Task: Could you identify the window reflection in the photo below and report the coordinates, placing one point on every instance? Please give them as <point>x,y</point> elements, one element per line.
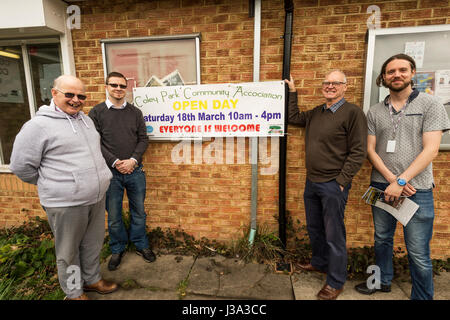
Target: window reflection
<point>45,66</point>
<point>45,63</point>
<point>14,109</point>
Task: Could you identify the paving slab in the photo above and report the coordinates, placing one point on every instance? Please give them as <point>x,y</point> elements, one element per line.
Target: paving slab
<point>350,293</point>
<point>306,285</point>
<point>198,297</point>
<point>204,278</point>
<point>165,273</point>
<point>135,294</point>
<point>235,279</point>
<point>441,286</point>
<point>220,278</point>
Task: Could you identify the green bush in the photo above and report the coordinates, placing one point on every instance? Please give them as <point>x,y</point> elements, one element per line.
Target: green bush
<point>27,262</point>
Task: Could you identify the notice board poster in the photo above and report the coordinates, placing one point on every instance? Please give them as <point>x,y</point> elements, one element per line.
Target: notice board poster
<point>253,109</point>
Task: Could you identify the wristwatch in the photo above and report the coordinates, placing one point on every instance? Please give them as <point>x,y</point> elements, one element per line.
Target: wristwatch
<point>401,182</point>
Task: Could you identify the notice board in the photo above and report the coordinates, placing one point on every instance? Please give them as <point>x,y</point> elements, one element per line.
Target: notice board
<point>430,48</point>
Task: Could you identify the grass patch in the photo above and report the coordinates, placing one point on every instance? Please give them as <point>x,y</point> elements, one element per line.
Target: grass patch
<point>27,263</point>
<point>266,246</point>
<point>182,286</point>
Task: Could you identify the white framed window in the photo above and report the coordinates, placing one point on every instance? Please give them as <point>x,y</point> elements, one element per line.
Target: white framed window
<point>27,70</point>
<point>35,48</point>
<point>154,61</point>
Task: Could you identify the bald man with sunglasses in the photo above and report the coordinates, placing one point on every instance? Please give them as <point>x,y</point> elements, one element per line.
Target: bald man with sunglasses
<point>59,151</point>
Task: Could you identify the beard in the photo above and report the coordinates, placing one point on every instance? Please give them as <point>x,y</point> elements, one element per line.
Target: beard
<point>400,88</point>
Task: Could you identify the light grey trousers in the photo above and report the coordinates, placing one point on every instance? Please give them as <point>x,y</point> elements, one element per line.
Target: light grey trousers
<point>79,233</point>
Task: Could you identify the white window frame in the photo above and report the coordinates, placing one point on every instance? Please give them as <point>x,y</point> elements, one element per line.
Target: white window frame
<point>196,36</point>
<point>67,61</point>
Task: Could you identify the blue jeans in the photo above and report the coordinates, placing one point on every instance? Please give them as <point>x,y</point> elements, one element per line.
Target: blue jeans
<point>417,233</point>
<point>135,185</point>
<point>324,207</point>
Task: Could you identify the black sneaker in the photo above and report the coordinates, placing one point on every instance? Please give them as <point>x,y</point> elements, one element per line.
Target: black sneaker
<point>115,260</point>
<point>362,288</point>
<point>147,254</point>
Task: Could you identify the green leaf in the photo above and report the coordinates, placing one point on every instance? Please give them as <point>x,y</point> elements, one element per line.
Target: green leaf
<point>29,272</point>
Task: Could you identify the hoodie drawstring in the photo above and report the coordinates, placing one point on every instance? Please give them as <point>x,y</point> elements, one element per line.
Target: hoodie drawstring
<point>82,118</point>
<point>73,128</point>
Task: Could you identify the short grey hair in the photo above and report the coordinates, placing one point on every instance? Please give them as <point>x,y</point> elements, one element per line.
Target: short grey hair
<point>337,70</point>
<point>57,83</point>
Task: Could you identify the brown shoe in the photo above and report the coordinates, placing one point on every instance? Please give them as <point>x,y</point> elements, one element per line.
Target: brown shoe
<point>329,293</point>
<point>102,287</point>
<point>82,297</point>
<point>308,267</point>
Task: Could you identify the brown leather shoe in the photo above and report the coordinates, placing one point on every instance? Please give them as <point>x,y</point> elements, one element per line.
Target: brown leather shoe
<point>82,297</point>
<point>308,267</point>
<point>102,287</point>
<point>329,293</point>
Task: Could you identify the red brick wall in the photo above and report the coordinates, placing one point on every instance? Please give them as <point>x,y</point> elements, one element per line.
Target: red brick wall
<point>329,36</point>
<point>214,200</point>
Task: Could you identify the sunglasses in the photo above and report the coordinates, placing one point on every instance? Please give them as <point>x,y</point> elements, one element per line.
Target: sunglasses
<point>333,83</point>
<point>70,95</point>
<point>115,85</point>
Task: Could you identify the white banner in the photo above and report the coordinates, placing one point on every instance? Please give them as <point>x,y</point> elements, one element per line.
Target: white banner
<point>254,109</point>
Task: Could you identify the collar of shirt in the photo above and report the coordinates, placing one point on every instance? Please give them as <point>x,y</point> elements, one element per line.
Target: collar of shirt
<point>334,107</point>
<point>110,105</point>
<point>73,116</point>
<point>411,97</point>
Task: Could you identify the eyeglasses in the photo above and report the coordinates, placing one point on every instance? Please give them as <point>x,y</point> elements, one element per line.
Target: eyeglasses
<point>70,95</point>
<point>333,83</point>
<point>115,85</point>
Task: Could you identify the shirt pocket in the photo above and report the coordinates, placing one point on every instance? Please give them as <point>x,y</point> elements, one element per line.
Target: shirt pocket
<point>413,121</point>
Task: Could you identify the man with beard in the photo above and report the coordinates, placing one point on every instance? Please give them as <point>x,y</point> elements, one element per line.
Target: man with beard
<point>124,141</point>
<point>335,147</point>
<point>405,131</point>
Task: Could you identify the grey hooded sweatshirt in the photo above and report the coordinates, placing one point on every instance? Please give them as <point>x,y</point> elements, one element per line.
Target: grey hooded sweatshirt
<point>62,155</point>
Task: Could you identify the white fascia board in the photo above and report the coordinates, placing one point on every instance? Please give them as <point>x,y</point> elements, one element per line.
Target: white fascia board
<point>32,16</point>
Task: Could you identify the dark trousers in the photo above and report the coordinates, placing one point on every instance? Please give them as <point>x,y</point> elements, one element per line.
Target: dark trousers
<point>325,206</point>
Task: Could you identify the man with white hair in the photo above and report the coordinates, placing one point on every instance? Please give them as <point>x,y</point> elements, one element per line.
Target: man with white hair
<point>335,146</point>
<point>59,151</point>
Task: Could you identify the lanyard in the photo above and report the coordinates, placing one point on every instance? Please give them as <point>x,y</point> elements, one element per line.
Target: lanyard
<point>395,124</point>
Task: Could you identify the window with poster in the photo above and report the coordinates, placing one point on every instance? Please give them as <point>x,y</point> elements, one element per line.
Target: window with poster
<point>27,71</point>
<point>154,61</point>
<point>430,48</point>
